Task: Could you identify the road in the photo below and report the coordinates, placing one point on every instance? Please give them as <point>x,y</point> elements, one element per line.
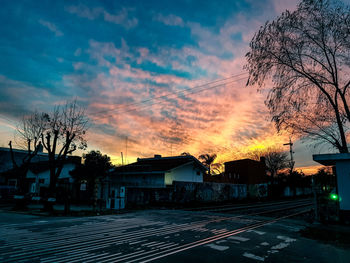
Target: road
<point>248,235</point>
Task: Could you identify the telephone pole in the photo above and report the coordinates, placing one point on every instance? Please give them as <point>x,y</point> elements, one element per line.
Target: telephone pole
<point>291,154</point>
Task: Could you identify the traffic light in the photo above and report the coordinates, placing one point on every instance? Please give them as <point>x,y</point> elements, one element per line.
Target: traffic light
<point>334,197</point>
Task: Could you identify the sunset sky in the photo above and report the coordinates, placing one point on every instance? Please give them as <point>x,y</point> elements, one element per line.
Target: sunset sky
<point>155,77</point>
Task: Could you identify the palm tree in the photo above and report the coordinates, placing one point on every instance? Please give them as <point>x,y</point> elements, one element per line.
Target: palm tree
<point>207,160</point>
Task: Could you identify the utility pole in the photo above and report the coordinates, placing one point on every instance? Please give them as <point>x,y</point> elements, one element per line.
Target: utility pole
<point>291,154</point>
<point>122,158</point>
<point>291,164</point>
<point>126,149</point>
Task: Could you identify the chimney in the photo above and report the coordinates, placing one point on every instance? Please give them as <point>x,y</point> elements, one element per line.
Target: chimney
<point>157,156</point>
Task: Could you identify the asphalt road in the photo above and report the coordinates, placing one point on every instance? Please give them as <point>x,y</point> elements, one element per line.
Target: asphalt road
<point>161,236</point>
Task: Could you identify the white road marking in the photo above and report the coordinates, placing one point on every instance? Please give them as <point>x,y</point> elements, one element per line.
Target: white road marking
<point>96,240</point>
<point>217,247</point>
<point>252,256</point>
<point>280,246</point>
<point>286,239</point>
<point>238,238</point>
<point>257,232</point>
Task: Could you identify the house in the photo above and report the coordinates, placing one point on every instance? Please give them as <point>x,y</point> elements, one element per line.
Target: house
<point>244,171</point>
<point>38,175</point>
<point>159,172</point>
<point>149,179</point>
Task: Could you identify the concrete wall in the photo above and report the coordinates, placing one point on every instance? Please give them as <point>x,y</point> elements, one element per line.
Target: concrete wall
<point>208,192</point>
<point>185,173</point>
<point>184,192</point>
<point>299,191</point>
<point>146,196</point>
<point>257,190</point>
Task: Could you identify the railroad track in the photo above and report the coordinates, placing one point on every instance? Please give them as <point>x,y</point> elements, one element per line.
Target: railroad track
<point>126,240</point>
<point>240,207</point>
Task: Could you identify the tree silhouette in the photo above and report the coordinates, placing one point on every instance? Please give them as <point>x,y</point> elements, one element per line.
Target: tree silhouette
<point>95,167</point>
<point>61,132</point>
<point>305,54</point>
<point>275,159</point>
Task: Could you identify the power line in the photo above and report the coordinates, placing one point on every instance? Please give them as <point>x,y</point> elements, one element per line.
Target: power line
<point>166,95</point>
<point>189,91</point>
<point>183,92</point>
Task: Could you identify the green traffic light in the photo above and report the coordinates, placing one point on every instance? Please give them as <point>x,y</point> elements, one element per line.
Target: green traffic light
<point>334,196</point>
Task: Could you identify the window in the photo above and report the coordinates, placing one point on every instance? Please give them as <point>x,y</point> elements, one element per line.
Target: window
<point>198,173</point>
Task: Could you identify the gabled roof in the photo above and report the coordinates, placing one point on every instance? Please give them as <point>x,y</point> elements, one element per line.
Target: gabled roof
<point>159,164</point>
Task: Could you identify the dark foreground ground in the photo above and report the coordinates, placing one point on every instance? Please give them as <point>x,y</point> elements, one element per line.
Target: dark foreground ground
<point>166,236</point>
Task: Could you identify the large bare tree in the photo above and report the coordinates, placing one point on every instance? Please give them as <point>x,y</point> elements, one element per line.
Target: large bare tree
<point>64,133</point>
<point>305,54</point>
<point>28,133</point>
<point>60,132</point>
<point>275,159</point>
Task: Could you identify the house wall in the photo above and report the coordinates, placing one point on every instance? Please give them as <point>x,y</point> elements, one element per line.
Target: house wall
<point>244,172</point>
<point>185,173</point>
<point>142,180</point>
<point>46,175</point>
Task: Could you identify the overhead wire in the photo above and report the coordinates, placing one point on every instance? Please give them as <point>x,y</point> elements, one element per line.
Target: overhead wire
<point>155,100</point>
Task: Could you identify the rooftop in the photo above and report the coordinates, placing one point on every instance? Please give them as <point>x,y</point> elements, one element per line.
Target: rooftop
<point>159,164</point>
<point>331,158</point>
